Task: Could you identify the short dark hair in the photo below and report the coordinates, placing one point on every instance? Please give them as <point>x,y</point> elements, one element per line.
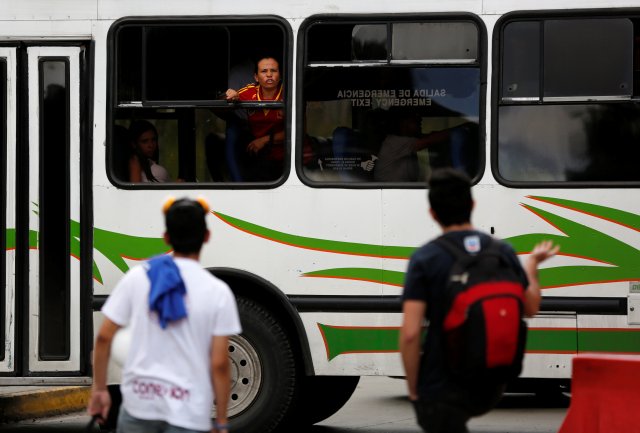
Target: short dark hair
<point>450,196</point>
<point>186,225</point>
<point>262,57</point>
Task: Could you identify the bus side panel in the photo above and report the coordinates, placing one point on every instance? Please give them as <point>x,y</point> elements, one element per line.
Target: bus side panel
<point>607,334</point>
<point>551,345</point>
<point>590,226</point>
<point>358,344</point>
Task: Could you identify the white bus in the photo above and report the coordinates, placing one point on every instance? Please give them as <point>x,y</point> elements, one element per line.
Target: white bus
<point>536,100</point>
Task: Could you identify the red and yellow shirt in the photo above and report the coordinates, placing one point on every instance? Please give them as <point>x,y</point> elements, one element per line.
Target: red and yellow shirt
<point>262,121</point>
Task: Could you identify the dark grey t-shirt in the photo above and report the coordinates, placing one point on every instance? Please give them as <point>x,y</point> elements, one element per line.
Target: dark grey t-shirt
<point>426,280</point>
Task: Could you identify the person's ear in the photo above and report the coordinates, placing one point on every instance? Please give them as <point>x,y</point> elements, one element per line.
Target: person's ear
<point>166,237</point>
<point>433,215</point>
<point>207,235</point>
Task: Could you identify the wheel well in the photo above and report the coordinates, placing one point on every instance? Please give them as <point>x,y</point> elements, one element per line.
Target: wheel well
<point>259,290</point>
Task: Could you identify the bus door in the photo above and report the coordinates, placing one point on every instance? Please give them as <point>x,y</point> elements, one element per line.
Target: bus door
<point>41,217</point>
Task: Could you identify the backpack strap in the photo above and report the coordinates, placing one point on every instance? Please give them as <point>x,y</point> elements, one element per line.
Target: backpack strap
<point>452,248</point>
<point>459,253</point>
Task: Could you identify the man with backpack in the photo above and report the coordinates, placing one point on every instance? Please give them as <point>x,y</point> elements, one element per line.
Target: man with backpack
<point>473,292</point>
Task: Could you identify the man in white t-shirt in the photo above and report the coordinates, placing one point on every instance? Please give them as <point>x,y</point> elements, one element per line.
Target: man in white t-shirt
<point>180,317</point>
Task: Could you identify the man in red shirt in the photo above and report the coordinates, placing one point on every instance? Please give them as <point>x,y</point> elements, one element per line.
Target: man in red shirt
<point>267,125</point>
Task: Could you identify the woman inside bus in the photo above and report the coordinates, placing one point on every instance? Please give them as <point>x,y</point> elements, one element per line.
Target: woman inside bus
<point>143,162</point>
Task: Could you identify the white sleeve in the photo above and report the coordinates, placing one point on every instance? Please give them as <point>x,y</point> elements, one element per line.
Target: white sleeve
<point>227,321</point>
<point>118,305</point>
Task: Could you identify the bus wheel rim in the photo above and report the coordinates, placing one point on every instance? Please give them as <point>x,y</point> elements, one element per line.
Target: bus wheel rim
<point>246,374</point>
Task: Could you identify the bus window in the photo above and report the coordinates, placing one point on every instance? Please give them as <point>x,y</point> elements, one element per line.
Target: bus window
<point>349,42</point>
<point>369,42</point>
<point>435,41</point>
<point>177,69</point>
<point>128,77</point>
<point>3,200</point>
<point>577,121</point>
<point>588,58</point>
<point>173,75</point>
<point>54,321</point>
<point>521,66</point>
<point>381,108</point>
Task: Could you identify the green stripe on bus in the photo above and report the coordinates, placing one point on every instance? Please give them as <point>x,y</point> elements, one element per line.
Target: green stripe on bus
<point>552,340</point>
<point>33,239</point>
<point>621,261</point>
<point>618,216</point>
<point>114,246</point>
<point>393,278</point>
<point>10,239</point>
<point>617,341</point>
<point>396,252</point>
<point>341,340</point>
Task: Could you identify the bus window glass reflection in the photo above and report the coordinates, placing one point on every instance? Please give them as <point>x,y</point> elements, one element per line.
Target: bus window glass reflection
<point>584,129</point>
<point>352,111</point>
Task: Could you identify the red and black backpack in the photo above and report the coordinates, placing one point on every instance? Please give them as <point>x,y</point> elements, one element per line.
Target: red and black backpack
<point>484,330</point>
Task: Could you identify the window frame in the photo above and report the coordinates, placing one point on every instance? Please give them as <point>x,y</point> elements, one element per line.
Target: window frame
<point>47,319</point>
<point>388,19</point>
<point>496,91</point>
<point>4,100</point>
<point>218,20</point>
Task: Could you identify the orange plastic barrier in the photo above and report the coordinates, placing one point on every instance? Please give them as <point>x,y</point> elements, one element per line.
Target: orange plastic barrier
<point>605,395</point>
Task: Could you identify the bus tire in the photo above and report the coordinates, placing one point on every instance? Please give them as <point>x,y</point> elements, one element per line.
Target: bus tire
<point>264,376</point>
<point>323,396</point>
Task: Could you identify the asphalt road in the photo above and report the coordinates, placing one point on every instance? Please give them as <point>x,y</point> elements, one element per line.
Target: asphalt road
<point>379,404</point>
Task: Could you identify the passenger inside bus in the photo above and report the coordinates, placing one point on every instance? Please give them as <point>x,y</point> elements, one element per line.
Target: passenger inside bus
<point>259,143</point>
<point>143,161</point>
<point>355,149</point>
<point>398,154</point>
<point>457,148</point>
<point>398,159</point>
<point>390,146</point>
